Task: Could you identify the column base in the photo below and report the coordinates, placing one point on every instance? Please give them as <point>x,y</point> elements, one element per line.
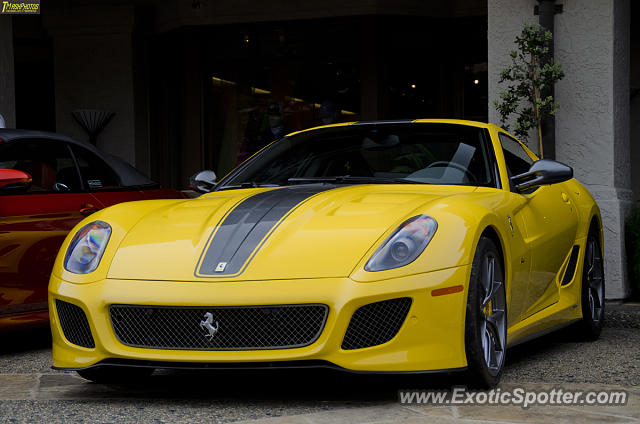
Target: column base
<point>615,206</point>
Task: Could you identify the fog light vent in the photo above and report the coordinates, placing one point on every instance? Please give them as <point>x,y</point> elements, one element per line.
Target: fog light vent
<point>74,324</point>
<point>376,323</point>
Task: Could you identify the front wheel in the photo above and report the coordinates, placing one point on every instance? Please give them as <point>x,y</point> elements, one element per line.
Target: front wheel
<point>486,317</point>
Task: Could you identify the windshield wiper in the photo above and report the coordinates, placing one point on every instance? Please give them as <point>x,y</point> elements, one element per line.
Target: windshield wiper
<point>349,179</point>
<point>246,184</point>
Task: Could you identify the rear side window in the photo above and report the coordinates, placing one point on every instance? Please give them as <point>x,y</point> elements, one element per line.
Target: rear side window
<point>516,158</point>
<point>49,162</point>
<point>95,173</point>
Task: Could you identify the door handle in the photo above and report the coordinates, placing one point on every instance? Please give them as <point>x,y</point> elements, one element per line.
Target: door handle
<point>88,209</point>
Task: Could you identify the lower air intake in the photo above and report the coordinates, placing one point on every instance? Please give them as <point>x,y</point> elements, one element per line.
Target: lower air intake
<point>74,324</point>
<point>376,323</point>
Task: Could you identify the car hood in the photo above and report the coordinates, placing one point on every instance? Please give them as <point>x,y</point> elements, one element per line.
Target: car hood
<point>306,231</point>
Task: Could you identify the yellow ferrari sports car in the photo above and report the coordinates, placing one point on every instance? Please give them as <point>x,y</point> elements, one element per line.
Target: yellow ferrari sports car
<point>405,246</point>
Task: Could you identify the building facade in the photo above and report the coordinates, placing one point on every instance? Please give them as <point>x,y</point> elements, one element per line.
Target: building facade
<point>198,84</point>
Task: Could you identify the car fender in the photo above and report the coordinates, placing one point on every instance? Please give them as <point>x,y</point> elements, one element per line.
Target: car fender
<point>121,217</point>
<point>461,222</point>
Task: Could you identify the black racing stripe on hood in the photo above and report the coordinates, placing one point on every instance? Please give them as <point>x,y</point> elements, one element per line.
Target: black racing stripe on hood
<point>235,239</point>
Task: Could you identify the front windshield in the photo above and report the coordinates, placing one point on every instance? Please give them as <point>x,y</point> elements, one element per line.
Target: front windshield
<point>411,153</point>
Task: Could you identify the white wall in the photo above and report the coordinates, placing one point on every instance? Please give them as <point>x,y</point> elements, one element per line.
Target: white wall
<point>506,20</point>
<point>592,125</point>
<point>634,139</point>
<point>93,66</point>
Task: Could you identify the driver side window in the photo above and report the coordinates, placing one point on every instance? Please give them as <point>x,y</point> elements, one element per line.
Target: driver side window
<point>48,162</point>
<point>515,157</point>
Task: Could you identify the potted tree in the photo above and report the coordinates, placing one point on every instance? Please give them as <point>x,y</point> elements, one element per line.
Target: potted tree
<point>531,73</point>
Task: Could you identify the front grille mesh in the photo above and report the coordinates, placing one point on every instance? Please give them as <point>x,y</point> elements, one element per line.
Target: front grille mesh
<point>376,323</point>
<point>239,327</point>
<point>74,324</point>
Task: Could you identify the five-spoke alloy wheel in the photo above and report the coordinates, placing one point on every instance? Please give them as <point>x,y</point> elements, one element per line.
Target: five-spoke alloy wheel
<point>592,291</point>
<point>486,317</point>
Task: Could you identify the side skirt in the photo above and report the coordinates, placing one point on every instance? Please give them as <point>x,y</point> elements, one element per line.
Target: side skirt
<point>543,332</point>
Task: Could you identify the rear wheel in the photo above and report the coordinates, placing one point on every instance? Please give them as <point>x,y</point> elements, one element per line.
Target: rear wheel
<point>592,291</point>
<point>123,375</point>
<point>486,317</point>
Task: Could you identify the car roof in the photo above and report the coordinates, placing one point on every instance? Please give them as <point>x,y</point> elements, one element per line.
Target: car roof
<point>129,176</point>
<point>396,122</point>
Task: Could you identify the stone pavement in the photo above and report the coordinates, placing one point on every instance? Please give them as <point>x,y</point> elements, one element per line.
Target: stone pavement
<point>30,391</point>
<point>65,387</point>
<point>478,414</point>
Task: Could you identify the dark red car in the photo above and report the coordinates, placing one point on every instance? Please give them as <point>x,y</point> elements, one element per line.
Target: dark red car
<point>48,183</point>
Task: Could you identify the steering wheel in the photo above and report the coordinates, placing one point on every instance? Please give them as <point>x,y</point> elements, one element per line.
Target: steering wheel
<point>457,166</point>
<point>61,187</point>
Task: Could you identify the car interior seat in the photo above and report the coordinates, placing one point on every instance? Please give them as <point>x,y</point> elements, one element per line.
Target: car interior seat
<point>43,175</point>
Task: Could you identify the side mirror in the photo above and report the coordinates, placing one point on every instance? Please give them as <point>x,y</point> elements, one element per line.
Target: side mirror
<point>14,179</point>
<point>542,172</point>
<point>203,181</point>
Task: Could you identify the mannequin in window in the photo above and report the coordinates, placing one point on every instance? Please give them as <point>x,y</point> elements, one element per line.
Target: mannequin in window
<point>275,129</point>
<point>328,113</point>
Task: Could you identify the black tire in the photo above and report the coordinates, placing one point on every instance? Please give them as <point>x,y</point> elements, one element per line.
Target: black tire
<point>116,375</point>
<point>480,322</point>
<point>592,289</point>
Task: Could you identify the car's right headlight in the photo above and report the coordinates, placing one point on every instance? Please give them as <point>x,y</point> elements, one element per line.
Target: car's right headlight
<point>404,245</point>
<point>87,247</point>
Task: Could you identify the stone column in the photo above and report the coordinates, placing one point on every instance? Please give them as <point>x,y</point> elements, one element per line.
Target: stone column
<point>93,65</point>
<point>592,125</point>
<point>506,20</point>
<point>634,113</point>
<point>7,79</point>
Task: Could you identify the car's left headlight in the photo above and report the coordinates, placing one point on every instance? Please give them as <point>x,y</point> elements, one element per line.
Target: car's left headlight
<point>404,245</point>
<point>87,247</point>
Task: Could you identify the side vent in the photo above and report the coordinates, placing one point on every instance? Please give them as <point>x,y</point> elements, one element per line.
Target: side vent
<point>571,266</point>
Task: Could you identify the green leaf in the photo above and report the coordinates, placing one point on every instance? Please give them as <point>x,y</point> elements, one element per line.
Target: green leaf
<point>531,69</point>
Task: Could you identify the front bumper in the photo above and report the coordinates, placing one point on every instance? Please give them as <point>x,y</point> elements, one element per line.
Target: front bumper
<point>431,337</point>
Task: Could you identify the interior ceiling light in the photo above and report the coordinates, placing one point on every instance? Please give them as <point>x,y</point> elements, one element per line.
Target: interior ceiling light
<point>218,82</point>
<point>255,90</point>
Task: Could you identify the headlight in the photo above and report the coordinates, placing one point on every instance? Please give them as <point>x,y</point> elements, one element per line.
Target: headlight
<point>86,248</point>
<point>404,245</point>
